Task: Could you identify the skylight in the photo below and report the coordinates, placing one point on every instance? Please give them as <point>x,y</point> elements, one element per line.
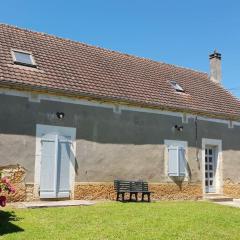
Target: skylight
<point>23,58</point>
<point>177,87</point>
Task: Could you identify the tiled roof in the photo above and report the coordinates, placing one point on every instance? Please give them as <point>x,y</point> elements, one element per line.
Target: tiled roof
<point>73,68</point>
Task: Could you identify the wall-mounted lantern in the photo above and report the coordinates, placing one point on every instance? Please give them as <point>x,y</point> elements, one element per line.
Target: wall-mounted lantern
<point>60,115</point>
<point>179,128</point>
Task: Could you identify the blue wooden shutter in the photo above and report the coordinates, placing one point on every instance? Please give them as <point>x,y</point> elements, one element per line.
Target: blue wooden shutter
<point>176,161</point>
<point>48,167</point>
<point>64,155</point>
<point>182,161</point>
<point>173,161</point>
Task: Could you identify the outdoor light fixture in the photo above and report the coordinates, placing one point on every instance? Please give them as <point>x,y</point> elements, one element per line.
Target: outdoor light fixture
<point>179,128</point>
<point>60,115</point>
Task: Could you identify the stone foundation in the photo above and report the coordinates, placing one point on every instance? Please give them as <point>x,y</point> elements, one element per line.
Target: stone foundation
<point>163,191</point>
<point>94,191</point>
<point>105,191</point>
<point>16,174</point>
<point>172,191</point>
<point>29,192</point>
<point>232,190</point>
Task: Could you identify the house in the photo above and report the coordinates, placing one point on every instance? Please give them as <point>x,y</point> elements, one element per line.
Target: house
<point>75,117</point>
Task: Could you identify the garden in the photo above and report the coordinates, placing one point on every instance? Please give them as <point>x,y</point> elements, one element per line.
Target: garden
<point>115,220</point>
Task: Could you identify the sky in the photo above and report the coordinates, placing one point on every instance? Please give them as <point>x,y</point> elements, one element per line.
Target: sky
<point>180,32</point>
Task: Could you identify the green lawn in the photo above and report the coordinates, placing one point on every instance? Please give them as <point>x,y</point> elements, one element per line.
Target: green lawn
<point>164,220</point>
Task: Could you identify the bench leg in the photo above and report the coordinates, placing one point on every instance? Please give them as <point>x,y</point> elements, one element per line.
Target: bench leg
<point>130,199</point>
<point>142,197</point>
<point>123,195</point>
<point>136,196</point>
<point>149,200</point>
<point>117,199</point>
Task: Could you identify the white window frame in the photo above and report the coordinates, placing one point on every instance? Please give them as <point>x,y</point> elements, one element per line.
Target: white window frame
<point>218,176</point>
<point>24,52</point>
<point>183,144</point>
<point>177,86</point>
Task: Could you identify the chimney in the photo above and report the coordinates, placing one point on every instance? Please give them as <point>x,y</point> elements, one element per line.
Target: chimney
<point>215,67</point>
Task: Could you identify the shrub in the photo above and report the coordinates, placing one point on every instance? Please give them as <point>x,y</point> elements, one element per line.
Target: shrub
<point>5,188</point>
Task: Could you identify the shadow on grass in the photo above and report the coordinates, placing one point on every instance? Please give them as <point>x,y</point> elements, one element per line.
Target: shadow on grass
<point>6,223</point>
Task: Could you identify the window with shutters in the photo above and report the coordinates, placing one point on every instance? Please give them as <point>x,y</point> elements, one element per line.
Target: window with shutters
<point>176,158</point>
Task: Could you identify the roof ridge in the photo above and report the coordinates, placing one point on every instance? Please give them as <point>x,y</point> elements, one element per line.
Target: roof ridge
<point>102,48</point>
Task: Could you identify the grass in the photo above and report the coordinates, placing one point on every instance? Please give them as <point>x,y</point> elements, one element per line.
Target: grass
<point>163,220</point>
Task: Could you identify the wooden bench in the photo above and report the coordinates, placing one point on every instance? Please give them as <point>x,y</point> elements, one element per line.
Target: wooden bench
<point>133,188</point>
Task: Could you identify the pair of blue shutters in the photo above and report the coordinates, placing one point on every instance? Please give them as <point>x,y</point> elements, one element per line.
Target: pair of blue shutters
<point>176,161</point>
<point>55,166</point>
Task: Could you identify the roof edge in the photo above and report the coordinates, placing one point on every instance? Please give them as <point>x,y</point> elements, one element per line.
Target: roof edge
<point>102,99</point>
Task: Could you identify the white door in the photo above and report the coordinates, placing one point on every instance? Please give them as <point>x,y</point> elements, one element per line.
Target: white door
<point>56,161</point>
<point>210,169</point>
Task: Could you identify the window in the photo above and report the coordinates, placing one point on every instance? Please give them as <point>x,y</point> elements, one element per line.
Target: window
<point>23,58</point>
<point>177,87</point>
<point>176,158</point>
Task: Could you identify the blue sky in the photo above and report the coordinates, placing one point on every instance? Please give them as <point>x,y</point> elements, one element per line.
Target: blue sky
<point>177,32</point>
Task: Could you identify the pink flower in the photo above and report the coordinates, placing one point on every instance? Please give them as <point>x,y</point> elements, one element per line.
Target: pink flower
<point>5,180</point>
<point>11,189</point>
<point>5,186</point>
<point>3,201</point>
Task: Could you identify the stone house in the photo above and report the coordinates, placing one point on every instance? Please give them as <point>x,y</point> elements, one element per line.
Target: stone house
<point>75,117</point>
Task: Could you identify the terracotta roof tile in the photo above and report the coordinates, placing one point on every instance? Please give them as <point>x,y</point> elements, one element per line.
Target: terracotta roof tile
<point>80,69</point>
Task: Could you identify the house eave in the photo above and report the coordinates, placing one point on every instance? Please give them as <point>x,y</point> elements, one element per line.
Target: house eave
<point>112,100</point>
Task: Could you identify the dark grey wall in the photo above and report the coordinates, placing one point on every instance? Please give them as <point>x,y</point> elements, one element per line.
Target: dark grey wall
<point>110,145</point>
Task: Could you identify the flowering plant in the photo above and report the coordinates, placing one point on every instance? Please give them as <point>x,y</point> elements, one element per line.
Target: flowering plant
<point>5,187</point>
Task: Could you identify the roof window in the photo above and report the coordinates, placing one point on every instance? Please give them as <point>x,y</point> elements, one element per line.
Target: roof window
<point>23,58</point>
<point>177,87</point>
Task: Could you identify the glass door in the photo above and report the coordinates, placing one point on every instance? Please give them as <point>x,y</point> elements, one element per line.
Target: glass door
<point>210,167</point>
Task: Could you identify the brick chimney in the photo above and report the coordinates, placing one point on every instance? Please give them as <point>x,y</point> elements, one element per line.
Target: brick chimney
<point>215,67</point>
